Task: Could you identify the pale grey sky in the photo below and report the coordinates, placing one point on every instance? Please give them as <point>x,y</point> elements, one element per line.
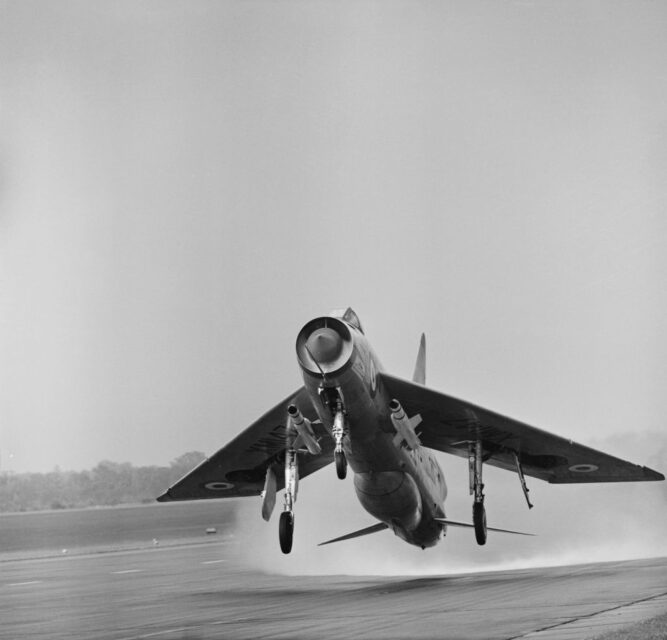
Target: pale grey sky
<point>184,184</point>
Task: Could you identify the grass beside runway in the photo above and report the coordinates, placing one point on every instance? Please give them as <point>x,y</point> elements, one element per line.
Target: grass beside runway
<point>653,629</point>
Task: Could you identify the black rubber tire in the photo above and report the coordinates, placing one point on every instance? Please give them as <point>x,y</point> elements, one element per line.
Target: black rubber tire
<point>286,531</point>
<point>341,464</point>
<point>479,520</point>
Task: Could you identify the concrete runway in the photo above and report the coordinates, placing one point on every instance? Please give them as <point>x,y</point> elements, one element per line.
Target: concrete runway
<point>201,591</point>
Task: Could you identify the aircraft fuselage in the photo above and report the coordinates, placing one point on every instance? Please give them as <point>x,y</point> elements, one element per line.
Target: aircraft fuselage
<point>400,485</point>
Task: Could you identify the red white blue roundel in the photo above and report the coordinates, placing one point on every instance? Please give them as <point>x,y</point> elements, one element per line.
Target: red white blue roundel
<point>583,468</point>
<point>218,486</point>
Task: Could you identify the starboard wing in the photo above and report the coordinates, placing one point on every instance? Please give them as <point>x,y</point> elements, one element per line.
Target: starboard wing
<point>239,468</point>
<point>449,424</point>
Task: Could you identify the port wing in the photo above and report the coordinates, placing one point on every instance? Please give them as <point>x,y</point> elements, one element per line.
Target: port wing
<point>239,468</point>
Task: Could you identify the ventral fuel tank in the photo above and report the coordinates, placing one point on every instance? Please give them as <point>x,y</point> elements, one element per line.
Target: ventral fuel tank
<point>390,496</point>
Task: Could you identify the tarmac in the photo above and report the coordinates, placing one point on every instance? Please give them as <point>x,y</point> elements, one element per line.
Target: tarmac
<point>197,591</point>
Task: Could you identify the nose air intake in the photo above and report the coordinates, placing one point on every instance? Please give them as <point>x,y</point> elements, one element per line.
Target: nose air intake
<point>324,346</point>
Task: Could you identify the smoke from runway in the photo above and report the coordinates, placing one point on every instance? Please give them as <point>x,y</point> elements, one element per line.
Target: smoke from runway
<point>573,523</point>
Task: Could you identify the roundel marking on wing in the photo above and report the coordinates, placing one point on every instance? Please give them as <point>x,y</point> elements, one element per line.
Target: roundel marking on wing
<point>218,486</point>
<point>583,468</point>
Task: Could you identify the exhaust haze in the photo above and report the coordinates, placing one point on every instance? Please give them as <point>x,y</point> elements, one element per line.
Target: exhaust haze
<point>573,523</point>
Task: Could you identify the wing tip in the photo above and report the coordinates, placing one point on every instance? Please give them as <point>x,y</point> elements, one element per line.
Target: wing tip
<point>641,474</point>
<point>653,475</point>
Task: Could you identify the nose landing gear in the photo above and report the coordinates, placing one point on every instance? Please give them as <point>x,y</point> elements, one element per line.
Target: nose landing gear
<point>338,434</point>
<point>333,401</point>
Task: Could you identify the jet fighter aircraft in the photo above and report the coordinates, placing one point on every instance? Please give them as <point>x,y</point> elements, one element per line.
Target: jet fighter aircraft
<point>351,412</point>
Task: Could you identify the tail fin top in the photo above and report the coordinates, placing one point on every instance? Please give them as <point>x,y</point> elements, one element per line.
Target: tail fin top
<point>419,376</point>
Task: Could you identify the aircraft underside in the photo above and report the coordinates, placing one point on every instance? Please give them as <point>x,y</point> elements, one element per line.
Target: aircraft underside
<point>350,412</point>
<point>396,480</point>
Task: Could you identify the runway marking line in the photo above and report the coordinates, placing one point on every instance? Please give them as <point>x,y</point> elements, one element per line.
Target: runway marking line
<point>118,573</point>
<point>23,584</point>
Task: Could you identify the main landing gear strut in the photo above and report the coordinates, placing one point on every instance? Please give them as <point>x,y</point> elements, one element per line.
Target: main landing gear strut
<point>286,524</point>
<point>299,434</point>
<point>475,460</point>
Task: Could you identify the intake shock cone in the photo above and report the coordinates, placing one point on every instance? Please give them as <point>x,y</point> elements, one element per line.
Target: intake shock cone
<point>325,345</point>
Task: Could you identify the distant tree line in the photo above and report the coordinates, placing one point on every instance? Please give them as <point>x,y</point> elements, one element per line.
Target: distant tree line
<point>109,483</point>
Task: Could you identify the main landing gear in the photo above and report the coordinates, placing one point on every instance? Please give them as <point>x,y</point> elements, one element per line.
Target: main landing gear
<point>286,530</point>
<point>286,524</point>
<point>479,521</point>
<point>299,432</point>
<point>293,441</point>
<point>475,460</point>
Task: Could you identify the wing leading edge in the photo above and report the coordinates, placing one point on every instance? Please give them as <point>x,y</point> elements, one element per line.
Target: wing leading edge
<point>239,468</point>
<point>449,424</point>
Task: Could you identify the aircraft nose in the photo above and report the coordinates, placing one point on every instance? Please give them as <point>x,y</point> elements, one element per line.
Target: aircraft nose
<point>325,344</point>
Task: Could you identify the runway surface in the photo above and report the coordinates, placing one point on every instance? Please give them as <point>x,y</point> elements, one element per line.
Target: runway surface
<point>202,591</point>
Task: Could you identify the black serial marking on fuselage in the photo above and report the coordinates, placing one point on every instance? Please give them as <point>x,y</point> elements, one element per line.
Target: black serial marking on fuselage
<point>272,442</point>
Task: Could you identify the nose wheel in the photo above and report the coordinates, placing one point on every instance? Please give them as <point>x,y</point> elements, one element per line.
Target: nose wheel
<point>341,464</point>
<point>286,531</point>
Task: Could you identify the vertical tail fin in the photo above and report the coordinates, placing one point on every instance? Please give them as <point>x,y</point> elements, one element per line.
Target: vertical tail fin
<point>419,376</point>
